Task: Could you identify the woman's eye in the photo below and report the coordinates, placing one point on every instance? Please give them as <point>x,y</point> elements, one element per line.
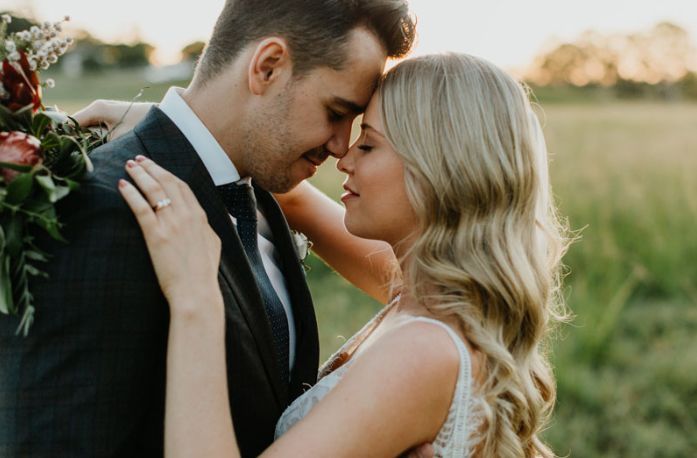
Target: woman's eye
<point>366,148</point>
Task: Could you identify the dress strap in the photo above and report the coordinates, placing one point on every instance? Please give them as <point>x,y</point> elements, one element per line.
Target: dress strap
<point>454,438</point>
<point>465,372</point>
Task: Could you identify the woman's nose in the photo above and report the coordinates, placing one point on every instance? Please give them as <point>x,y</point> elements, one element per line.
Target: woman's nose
<point>345,163</point>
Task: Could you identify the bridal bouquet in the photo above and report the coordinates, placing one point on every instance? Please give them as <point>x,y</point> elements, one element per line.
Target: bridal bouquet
<point>43,157</point>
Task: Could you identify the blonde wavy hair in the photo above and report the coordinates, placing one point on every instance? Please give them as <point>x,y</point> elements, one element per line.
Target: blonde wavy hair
<point>490,243</point>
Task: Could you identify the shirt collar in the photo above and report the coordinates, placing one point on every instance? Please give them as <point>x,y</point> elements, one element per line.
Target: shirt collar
<point>217,162</point>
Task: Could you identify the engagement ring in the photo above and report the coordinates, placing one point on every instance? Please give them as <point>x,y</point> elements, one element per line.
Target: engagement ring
<point>166,202</point>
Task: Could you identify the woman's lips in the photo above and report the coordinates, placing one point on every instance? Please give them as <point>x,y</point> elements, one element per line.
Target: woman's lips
<point>349,194</point>
<point>345,197</point>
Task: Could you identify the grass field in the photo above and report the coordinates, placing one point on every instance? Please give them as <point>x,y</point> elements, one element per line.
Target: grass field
<point>625,174</point>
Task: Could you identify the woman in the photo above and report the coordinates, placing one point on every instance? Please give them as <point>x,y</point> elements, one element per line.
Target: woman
<point>451,171</point>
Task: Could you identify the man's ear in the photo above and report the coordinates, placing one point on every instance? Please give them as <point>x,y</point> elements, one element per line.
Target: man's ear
<point>270,63</point>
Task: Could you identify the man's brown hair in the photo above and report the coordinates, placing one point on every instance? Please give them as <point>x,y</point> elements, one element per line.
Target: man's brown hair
<point>316,30</point>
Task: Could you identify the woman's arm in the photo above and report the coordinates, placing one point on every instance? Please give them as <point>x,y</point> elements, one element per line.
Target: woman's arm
<point>368,264</point>
<point>186,254</point>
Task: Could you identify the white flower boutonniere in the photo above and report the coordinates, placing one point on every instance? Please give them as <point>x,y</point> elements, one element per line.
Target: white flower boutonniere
<point>302,247</point>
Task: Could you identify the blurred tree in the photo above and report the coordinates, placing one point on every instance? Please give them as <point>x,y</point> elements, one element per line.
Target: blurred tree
<point>661,56</point>
<point>192,51</point>
<point>128,56</point>
<point>688,85</point>
<point>93,55</point>
<point>85,54</point>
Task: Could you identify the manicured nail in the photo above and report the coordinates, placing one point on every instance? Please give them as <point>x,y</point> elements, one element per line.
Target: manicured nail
<point>130,164</point>
<point>122,183</point>
<point>140,158</point>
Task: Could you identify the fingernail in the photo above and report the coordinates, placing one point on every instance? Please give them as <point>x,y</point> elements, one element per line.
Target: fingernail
<point>140,158</point>
<point>122,183</point>
<point>130,163</point>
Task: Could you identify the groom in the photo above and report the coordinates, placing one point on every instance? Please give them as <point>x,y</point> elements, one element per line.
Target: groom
<point>274,95</point>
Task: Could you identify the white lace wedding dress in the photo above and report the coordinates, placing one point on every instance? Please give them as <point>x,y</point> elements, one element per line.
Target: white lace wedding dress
<point>454,438</point>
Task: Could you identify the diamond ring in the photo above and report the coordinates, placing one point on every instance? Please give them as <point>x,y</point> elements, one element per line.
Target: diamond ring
<point>164,203</point>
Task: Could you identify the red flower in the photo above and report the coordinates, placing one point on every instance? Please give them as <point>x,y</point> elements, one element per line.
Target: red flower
<point>21,83</point>
<point>18,148</point>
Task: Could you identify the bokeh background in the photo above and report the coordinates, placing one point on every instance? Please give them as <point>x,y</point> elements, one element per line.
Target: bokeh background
<point>617,86</point>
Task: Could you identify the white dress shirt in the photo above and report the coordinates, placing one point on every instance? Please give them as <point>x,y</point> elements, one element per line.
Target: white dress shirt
<point>223,171</point>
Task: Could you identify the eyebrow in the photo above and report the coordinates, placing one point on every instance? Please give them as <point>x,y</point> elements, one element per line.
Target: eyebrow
<point>365,126</point>
<point>349,105</point>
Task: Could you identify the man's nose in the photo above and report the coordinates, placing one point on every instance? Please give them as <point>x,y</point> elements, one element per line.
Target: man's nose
<point>339,143</point>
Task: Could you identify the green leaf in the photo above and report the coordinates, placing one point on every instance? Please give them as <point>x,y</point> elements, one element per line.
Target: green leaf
<point>61,192</point>
<point>72,184</point>
<point>27,321</point>
<point>50,141</point>
<point>19,189</point>
<point>46,182</point>
<point>39,124</point>
<point>50,224</point>
<point>39,206</point>
<point>31,270</point>
<point>36,256</point>
<point>17,167</point>
<point>6,303</point>
<point>13,235</point>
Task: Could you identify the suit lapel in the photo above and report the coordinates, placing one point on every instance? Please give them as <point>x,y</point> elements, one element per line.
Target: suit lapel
<point>307,342</point>
<point>171,150</point>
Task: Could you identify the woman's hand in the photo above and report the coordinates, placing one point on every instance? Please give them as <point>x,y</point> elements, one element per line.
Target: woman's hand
<point>185,250</point>
<point>119,117</point>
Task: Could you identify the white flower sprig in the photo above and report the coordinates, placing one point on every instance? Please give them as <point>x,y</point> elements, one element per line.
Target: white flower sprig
<point>41,44</point>
<point>302,247</point>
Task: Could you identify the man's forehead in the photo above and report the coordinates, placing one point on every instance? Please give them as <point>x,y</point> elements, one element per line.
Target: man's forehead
<point>352,95</point>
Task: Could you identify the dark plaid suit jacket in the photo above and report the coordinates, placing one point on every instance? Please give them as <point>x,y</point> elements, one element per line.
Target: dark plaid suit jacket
<point>89,380</point>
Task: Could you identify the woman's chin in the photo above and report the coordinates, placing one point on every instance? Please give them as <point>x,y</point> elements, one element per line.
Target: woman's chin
<point>351,226</point>
<point>358,228</point>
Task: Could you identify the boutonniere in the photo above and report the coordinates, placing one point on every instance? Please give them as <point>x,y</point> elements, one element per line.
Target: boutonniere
<point>302,247</point>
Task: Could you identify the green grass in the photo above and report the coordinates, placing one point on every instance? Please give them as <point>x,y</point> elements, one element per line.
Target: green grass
<point>625,173</point>
<point>626,366</point>
<point>71,94</point>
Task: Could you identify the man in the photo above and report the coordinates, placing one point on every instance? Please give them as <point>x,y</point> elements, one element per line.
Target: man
<point>274,95</point>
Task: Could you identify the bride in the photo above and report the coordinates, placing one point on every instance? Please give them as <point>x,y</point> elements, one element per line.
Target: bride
<point>451,171</point>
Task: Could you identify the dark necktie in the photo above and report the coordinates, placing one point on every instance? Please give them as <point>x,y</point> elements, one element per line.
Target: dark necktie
<point>240,202</point>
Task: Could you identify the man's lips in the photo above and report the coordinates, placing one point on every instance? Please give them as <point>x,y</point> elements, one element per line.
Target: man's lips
<point>316,161</point>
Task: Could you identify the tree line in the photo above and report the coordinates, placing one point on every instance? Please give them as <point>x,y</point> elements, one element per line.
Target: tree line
<point>660,62</point>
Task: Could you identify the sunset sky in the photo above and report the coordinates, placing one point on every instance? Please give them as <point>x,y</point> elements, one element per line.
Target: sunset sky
<point>508,32</point>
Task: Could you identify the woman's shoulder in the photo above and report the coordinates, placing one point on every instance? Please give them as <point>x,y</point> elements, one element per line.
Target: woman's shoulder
<point>426,340</point>
<point>426,353</point>
<point>417,354</point>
